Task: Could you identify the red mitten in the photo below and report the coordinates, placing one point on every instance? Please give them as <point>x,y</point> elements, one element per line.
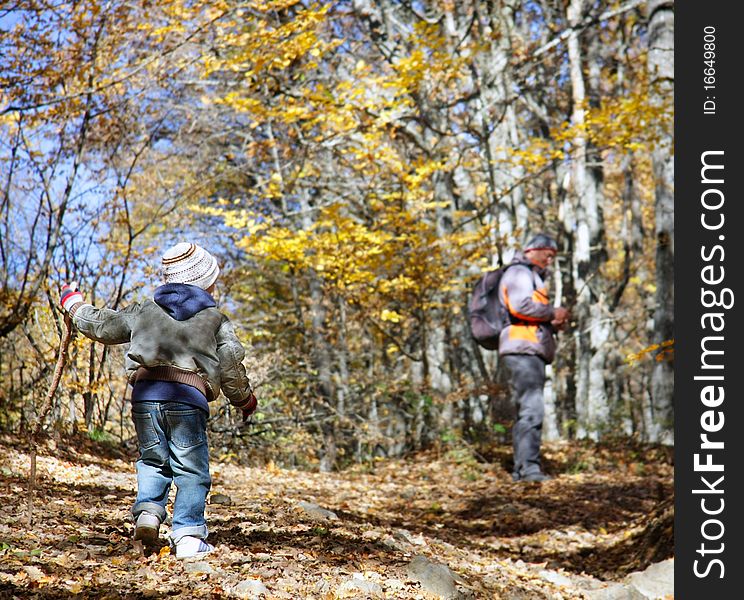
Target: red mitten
<point>249,405</point>
<point>69,296</point>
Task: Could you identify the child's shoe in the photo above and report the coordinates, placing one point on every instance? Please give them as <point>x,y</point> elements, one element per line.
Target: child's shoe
<point>147,527</point>
<point>192,547</point>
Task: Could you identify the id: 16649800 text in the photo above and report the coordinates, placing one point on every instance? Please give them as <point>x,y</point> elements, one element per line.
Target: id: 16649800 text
<point>709,69</point>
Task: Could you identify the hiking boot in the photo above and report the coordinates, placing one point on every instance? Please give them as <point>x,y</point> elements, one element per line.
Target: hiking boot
<point>192,547</point>
<point>536,477</point>
<point>147,527</point>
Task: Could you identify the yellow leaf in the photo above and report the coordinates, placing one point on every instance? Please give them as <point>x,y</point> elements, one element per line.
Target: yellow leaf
<point>391,316</point>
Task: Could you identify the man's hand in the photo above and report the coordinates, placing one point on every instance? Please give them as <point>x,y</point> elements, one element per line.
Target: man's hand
<point>69,296</point>
<point>561,317</point>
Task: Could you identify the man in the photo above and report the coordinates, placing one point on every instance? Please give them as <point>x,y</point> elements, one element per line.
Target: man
<point>526,345</point>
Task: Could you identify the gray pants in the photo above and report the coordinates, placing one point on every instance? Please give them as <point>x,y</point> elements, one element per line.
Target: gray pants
<point>526,378</point>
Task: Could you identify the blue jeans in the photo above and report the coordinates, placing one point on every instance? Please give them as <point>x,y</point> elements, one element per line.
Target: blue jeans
<point>173,449</point>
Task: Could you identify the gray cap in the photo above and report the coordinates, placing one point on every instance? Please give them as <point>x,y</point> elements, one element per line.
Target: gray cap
<point>541,241</point>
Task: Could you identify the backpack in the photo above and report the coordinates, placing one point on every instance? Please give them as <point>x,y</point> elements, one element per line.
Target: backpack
<point>487,315</point>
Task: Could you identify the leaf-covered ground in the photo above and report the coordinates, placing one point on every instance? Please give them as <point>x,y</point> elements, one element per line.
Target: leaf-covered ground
<point>607,513</point>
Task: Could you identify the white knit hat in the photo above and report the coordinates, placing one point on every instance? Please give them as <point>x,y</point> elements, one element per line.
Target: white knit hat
<point>189,263</point>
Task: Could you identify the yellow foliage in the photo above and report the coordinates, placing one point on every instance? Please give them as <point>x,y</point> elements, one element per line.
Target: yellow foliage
<point>390,315</point>
<point>666,352</point>
<point>386,267</point>
<point>630,122</point>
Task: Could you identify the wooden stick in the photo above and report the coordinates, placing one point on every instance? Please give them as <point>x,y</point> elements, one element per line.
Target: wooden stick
<point>64,344</point>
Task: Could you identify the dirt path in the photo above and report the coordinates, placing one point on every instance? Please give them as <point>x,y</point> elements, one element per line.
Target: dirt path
<point>500,538</point>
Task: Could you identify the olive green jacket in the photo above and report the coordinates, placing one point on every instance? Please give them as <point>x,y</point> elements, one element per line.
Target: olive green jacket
<point>204,344</point>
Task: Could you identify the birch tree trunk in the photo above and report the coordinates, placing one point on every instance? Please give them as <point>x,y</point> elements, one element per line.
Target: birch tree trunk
<point>592,330</point>
<point>320,354</point>
<point>661,72</point>
<point>497,123</point>
<point>498,127</point>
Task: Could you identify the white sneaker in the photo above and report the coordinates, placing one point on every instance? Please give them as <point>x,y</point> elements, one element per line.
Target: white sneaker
<point>192,547</point>
<point>147,527</point>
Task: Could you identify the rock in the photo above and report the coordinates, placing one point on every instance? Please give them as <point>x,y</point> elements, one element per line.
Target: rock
<point>220,499</point>
<point>322,588</point>
<point>394,585</point>
<point>262,557</point>
<point>198,567</point>
<point>316,512</point>
<point>250,588</point>
<point>358,585</point>
<point>390,542</point>
<point>434,578</point>
<point>406,536</point>
<point>614,591</point>
<point>556,578</point>
<point>656,582</point>
<point>591,588</point>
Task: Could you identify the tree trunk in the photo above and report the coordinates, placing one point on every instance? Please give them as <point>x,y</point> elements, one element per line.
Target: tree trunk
<point>321,356</point>
<point>591,331</point>
<point>661,72</point>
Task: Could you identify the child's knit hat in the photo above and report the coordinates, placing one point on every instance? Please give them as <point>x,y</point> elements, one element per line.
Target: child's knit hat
<point>189,263</point>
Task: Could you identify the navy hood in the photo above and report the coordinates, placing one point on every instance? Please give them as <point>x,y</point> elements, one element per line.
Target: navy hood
<point>182,301</point>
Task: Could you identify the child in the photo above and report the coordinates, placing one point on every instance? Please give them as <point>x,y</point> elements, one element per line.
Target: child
<point>182,352</point>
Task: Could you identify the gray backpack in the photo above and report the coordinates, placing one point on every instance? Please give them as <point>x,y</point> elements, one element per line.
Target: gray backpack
<point>486,313</point>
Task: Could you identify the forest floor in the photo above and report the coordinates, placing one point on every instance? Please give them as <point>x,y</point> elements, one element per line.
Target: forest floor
<point>608,512</point>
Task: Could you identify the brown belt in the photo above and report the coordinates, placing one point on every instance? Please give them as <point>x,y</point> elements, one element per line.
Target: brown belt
<point>165,373</point>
